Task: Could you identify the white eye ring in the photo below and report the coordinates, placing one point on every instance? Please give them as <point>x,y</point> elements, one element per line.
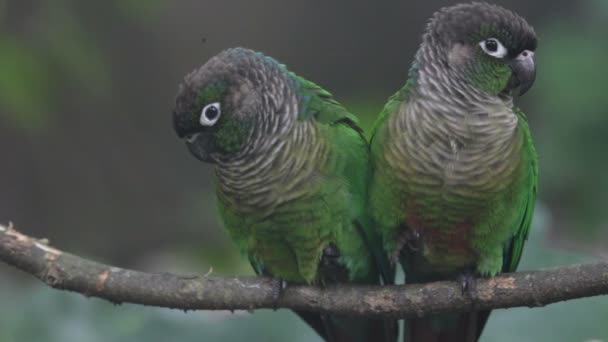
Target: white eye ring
<point>499,51</point>
<point>210,114</point>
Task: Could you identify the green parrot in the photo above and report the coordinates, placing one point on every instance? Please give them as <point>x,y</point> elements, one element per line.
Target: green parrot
<point>454,168</point>
<point>291,172</point>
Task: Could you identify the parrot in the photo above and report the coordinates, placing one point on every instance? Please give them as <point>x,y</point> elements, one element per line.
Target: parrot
<point>291,167</point>
<point>454,168</point>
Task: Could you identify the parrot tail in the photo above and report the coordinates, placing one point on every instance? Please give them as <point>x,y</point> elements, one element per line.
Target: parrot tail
<point>466,327</point>
<point>344,328</point>
<point>338,328</point>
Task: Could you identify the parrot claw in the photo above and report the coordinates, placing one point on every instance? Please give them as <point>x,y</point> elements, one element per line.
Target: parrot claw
<point>413,241</point>
<point>409,240</point>
<point>278,285</point>
<point>332,269</point>
<point>330,253</point>
<point>468,283</point>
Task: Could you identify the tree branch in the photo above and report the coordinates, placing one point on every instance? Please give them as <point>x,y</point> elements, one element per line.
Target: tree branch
<point>66,271</point>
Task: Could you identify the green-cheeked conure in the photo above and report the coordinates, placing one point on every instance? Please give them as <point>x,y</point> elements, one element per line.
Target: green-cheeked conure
<point>291,171</point>
<point>454,169</point>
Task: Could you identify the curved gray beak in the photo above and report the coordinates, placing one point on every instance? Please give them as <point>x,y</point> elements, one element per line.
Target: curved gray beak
<point>201,146</point>
<point>524,70</point>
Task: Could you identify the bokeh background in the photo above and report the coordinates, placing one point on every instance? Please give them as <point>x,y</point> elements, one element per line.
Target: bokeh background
<point>89,158</point>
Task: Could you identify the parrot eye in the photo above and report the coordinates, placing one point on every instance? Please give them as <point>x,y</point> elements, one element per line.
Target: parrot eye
<point>210,114</point>
<point>493,48</point>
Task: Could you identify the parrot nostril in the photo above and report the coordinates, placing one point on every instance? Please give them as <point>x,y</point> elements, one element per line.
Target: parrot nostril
<point>526,54</point>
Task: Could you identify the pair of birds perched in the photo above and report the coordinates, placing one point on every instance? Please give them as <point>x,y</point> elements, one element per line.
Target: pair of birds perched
<point>446,186</point>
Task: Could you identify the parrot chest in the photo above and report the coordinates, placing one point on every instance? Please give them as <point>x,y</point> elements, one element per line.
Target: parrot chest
<point>453,169</point>
<point>288,240</point>
<point>282,209</point>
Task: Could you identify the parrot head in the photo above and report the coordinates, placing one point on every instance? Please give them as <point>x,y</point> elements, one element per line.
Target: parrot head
<point>233,105</point>
<point>485,45</point>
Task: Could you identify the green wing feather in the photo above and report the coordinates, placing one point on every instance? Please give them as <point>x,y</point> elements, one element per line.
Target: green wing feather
<point>514,249</point>
<point>361,240</point>
<point>317,103</point>
<point>390,107</point>
<point>385,216</point>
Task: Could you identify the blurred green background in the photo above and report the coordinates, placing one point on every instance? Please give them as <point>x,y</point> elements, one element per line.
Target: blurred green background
<point>90,160</point>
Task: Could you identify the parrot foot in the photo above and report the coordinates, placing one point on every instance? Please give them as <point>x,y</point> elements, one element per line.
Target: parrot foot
<point>409,240</point>
<point>331,268</point>
<point>330,254</point>
<point>278,286</point>
<point>468,283</point>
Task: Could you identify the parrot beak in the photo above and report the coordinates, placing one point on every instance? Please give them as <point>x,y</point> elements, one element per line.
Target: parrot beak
<point>199,143</point>
<point>524,71</point>
<point>184,125</point>
<point>200,146</point>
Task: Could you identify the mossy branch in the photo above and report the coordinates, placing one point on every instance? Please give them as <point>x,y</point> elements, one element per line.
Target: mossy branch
<point>66,271</point>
